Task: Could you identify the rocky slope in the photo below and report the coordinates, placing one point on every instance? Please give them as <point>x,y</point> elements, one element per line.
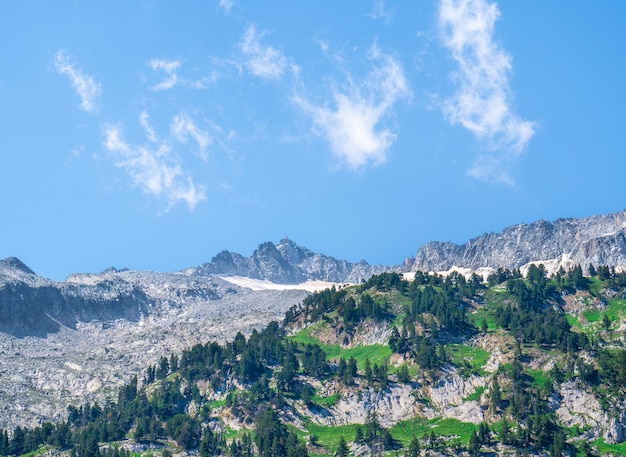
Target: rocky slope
<point>600,240</point>
<point>62,343</point>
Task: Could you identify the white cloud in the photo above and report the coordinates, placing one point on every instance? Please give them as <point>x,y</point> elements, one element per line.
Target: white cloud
<point>380,11</point>
<point>226,5</point>
<point>87,89</point>
<point>263,61</point>
<point>169,67</point>
<point>352,124</point>
<point>153,167</point>
<point>483,100</point>
<point>183,127</point>
<point>147,127</point>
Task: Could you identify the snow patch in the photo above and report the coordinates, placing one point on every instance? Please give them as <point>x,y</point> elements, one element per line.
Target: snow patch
<point>264,284</point>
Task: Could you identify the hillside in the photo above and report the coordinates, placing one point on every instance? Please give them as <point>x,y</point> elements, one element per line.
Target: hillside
<point>437,366</point>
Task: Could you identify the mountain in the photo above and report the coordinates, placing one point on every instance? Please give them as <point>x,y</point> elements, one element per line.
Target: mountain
<point>600,240</point>
<point>438,366</point>
<point>62,342</point>
<point>288,263</point>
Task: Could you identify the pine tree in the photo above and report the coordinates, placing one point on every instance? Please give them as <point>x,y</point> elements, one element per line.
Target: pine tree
<point>342,448</point>
<point>413,449</point>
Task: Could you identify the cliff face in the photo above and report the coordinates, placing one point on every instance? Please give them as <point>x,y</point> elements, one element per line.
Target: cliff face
<point>600,240</point>
<point>32,305</point>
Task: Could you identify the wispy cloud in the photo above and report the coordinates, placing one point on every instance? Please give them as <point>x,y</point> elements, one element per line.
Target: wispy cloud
<point>483,100</point>
<point>226,5</point>
<point>352,124</point>
<point>183,127</point>
<point>380,11</point>
<point>144,121</point>
<point>152,166</point>
<point>86,87</point>
<point>169,67</point>
<point>264,61</point>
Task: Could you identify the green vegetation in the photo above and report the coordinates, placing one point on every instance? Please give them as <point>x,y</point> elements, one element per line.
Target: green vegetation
<point>326,402</point>
<point>454,427</point>
<point>612,449</point>
<point>475,396</point>
<point>376,353</point>
<point>541,380</point>
<point>470,357</point>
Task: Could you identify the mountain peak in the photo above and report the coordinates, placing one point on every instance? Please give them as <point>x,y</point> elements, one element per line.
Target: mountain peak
<point>288,263</point>
<point>15,264</point>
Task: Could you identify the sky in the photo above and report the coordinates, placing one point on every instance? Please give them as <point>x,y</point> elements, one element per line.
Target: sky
<point>153,134</point>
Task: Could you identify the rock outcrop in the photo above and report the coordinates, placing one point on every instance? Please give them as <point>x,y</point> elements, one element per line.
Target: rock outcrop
<point>576,406</point>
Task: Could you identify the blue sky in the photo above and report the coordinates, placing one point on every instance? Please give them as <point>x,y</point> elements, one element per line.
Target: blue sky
<point>153,134</point>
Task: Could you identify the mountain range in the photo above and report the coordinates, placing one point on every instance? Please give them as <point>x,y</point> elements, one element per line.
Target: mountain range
<point>62,342</point>
<point>36,305</point>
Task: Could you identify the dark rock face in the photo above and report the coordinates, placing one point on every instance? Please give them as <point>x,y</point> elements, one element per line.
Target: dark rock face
<point>288,263</point>
<point>32,305</point>
<point>600,240</point>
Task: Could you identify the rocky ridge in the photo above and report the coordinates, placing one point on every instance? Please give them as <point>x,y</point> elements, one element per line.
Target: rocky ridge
<point>600,240</point>
<point>288,263</point>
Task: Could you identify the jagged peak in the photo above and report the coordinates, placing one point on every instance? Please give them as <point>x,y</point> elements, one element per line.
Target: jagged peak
<point>15,264</point>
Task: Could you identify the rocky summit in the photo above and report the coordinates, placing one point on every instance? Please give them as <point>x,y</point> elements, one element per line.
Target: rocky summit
<point>288,263</point>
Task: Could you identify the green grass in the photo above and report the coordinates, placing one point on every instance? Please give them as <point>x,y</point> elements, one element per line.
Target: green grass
<point>454,427</point>
<point>325,402</point>
<point>541,380</point>
<point>376,353</point>
<point>216,404</point>
<point>615,311</point>
<point>304,336</point>
<point>606,448</point>
<point>329,436</point>
<point>493,298</point>
<point>595,286</point>
<point>404,431</point>
<point>41,451</point>
<point>592,315</point>
<point>477,318</point>
<point>573,321</point>
<point>231,433</point>
<point>475,396</point>
<point>463,355</point>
